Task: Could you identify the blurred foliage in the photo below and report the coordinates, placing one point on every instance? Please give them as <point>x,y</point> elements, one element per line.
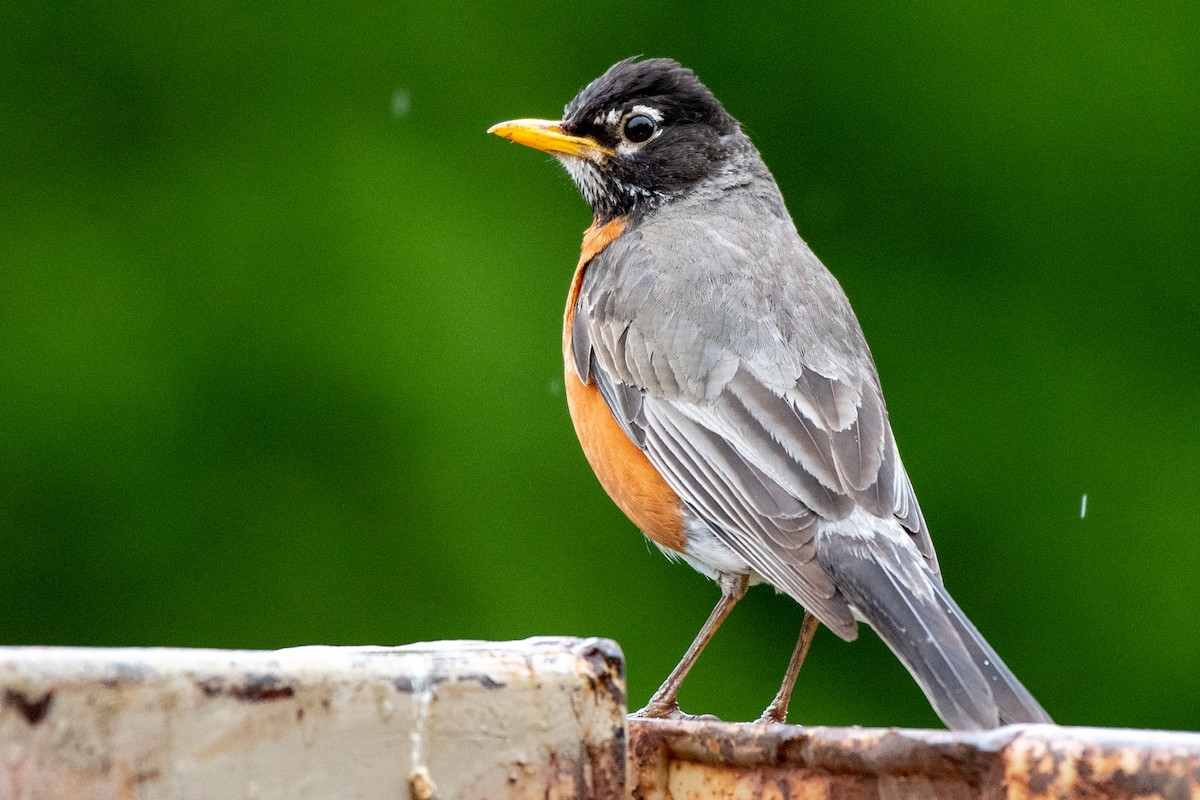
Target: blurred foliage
<point>279,329</point>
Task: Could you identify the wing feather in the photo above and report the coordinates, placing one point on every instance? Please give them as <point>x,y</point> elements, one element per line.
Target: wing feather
<point>759,458</point>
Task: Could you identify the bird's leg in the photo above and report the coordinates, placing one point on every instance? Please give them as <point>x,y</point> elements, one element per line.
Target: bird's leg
<point>777,711</point>
<point>665,702</point>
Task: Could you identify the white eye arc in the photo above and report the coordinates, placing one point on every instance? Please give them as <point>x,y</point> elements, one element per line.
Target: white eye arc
<point>638,126</point>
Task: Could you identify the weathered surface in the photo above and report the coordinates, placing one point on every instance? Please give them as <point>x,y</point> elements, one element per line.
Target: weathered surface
<point>541,718</point>
<point>715,760</point>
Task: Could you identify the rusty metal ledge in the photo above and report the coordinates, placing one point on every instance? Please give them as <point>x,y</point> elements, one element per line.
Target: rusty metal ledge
<point>676,760</point>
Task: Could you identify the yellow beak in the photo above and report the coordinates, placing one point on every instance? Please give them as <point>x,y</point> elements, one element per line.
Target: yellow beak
<point>548,136</point>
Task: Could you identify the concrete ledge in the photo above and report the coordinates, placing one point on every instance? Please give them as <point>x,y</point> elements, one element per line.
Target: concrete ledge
<point>540,718</point>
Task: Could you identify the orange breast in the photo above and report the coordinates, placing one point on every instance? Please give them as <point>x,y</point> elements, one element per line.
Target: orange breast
<point>624,471</point>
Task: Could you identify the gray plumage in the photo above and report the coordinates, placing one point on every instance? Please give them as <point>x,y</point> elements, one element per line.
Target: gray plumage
<point>731,356</point>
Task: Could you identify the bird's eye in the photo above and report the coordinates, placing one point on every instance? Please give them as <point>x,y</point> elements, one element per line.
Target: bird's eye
<point>639,128</point>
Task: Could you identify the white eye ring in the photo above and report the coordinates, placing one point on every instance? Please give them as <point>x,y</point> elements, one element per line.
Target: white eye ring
<point>641,124</point>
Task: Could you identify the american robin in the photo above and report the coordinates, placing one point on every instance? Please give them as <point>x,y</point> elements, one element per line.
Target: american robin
<point>724,395</point>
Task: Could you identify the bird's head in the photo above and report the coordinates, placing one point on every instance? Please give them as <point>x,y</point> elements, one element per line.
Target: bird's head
<point>640,134</point>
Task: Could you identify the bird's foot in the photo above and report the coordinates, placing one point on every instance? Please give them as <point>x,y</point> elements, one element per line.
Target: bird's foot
<point>669,709</point>
<point>773,716</point>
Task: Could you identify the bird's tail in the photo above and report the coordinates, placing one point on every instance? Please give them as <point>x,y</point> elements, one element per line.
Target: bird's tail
<point>965,681</point>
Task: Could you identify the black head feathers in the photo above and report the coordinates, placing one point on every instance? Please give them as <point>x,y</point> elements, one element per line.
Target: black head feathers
<point>661,83</point>
<point>664,129</point>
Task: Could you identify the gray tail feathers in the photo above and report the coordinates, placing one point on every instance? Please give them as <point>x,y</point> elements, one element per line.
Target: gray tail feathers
<point>965,681</point>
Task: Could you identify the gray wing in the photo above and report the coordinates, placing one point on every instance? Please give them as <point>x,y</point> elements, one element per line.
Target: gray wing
<point>759,444</point>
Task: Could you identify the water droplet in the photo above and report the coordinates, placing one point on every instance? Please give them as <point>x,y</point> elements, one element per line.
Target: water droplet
<point>401,103</point>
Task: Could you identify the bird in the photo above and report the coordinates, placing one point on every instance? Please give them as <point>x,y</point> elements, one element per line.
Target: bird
<point>724,395</point>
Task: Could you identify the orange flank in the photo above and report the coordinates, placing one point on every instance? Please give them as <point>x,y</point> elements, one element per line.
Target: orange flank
<point>624,471</point>
<point>595,239</point>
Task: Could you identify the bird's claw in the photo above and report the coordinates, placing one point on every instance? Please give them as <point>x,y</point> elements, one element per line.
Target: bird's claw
<point>670,710</point>
<point>772,717</point>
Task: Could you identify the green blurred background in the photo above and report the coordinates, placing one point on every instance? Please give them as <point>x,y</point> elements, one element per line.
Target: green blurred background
<point>279,329</point>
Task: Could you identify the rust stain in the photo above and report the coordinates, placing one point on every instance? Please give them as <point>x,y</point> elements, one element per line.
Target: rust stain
<point>563,775</point>
<point>649,762</point>
<point>255,690</point>
<point>34,710</point>
<point>1040,768</point>
<point>604,670</point>
<point>130,779</point>
<point>248,733</point>
<point>601,664</point>
<point>604,773</point>
<point>675,760</point>
<point>255,694</point>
